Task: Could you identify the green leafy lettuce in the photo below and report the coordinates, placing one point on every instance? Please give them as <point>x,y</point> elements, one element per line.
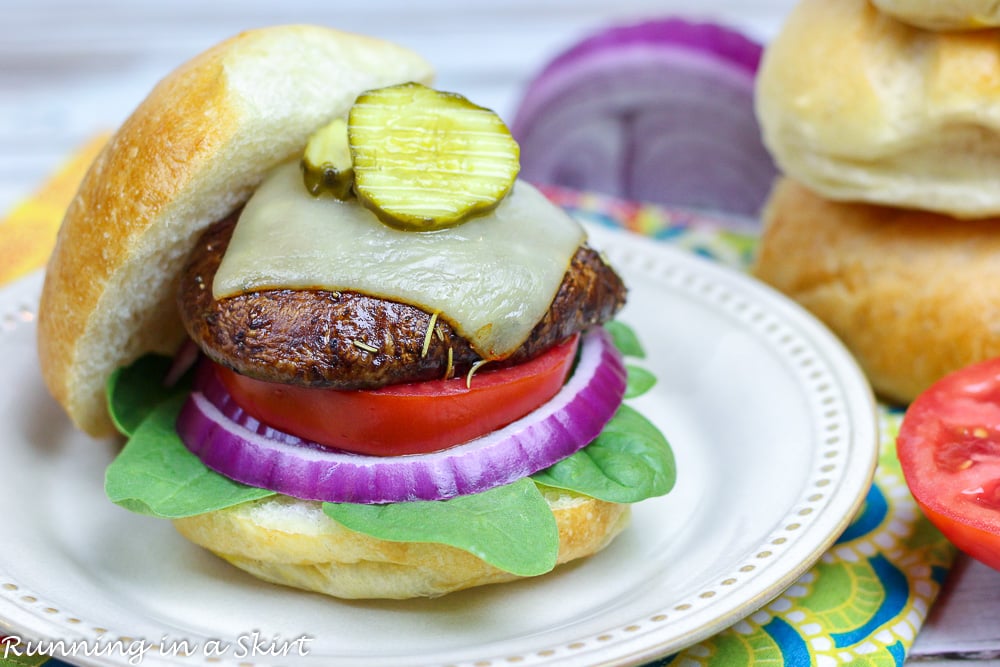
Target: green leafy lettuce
<point>155,474</point>
<point>134,391</point>
<point>485,524</point>
<point>629,461</point>
<point>624,338</point>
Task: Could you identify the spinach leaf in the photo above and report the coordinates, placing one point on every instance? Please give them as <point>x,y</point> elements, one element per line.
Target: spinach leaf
<point>135,390</point>
<point>156,474</point>
<point>511,527</point>
<point>624,339</point>
<point>638,381</point>
<point>629,461</point>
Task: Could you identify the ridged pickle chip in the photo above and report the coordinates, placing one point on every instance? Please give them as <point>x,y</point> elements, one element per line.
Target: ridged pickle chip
<point>426,159</point>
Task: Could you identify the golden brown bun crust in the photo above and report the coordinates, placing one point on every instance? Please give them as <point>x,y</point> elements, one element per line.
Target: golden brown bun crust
<point>861,107</point>
<point>912,294</point>
<point>938,15</point>
<point>291,542</point>
<point>189,155</point>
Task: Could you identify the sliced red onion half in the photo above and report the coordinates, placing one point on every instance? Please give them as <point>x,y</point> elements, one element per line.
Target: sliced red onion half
<point>660,112</point>
<point>238,446</point>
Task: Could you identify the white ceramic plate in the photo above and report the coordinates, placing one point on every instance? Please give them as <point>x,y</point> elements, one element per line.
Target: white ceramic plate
<point>774,433</point>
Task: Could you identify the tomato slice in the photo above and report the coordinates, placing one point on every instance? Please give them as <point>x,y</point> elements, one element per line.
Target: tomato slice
<point>406,418</point>
<point>949,450</point>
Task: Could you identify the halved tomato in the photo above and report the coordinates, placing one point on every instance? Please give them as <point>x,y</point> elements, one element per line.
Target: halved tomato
<point>949,449</point>
<point>407,418</point>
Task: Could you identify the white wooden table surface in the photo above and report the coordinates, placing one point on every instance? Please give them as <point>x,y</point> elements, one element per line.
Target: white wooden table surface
<point>72,68</point>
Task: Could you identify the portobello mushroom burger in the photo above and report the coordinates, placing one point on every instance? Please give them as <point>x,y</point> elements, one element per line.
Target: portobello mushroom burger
<point>350,351</point>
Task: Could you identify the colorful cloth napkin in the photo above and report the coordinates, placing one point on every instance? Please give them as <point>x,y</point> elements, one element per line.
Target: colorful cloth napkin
<point>861,604</point>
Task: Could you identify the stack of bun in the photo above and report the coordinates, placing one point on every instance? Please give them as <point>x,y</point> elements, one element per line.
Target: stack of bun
<point>884,117</point>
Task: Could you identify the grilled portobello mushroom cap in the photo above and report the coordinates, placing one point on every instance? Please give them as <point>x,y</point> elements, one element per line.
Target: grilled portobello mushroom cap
<point>347,340</point>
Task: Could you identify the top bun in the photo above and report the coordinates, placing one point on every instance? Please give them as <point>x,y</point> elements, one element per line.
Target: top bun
<point>190,154</point>
<point>859,106</point>
<point>938,15</point>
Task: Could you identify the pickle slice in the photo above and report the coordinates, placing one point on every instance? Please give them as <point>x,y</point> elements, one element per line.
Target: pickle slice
<point>327,167</point>
<point>426,159</point>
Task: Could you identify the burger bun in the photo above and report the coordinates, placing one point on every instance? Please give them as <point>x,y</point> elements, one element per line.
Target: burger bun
<point>292,542</point>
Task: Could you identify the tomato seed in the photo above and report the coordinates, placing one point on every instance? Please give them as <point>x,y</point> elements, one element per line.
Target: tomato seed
<point>963,446</point>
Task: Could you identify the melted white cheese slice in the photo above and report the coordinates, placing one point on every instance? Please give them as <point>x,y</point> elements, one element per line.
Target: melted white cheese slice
<point>492,278</point>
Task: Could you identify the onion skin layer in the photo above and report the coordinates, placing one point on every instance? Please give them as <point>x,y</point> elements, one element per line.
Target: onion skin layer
<point>236,445</point>
<point>659,112</point>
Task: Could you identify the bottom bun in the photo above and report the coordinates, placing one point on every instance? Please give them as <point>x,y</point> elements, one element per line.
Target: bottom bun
<point>912,294</point>
<point>292,542</point>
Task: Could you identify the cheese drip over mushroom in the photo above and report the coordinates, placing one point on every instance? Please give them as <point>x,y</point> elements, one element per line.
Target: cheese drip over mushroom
<point>492,277</point>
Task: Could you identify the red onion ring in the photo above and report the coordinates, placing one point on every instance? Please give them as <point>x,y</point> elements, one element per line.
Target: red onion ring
<point>238,446</point>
